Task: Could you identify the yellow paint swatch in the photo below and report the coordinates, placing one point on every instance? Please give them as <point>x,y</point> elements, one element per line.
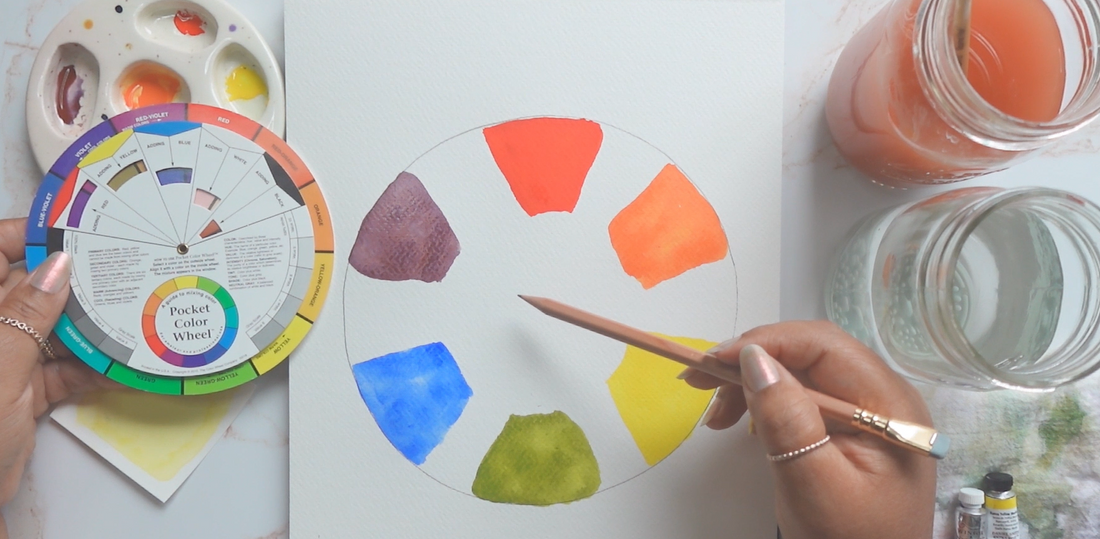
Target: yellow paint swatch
<point>659,411</point>
<point>159,433</point>
<point>243,83</point>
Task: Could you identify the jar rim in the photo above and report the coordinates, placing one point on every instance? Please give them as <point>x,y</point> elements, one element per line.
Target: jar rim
<point>935,302</point>
<point>952,97</point>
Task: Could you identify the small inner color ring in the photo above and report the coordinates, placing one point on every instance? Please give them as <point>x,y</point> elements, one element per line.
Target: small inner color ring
<point>161,350</point>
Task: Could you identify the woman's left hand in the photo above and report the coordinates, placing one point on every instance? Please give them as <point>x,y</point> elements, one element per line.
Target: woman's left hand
<point>29,381</point>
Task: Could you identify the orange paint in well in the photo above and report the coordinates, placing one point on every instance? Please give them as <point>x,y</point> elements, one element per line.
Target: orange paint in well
<point>189,24</point>
<point>149,87</point>
<point>88,24</point>
<point>669,229</point>
<point>545,160</point>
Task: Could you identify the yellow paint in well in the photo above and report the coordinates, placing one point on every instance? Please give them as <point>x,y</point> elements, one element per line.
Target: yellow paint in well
<point>659,411</point>
<point>106,149</point>
<point>243,83</point>
<point>158,433</point>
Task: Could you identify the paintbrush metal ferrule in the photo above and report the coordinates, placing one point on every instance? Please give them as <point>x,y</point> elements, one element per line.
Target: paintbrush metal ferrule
<point>912,436</point>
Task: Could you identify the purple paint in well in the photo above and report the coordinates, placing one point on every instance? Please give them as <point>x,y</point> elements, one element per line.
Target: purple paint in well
<point>405,236</point>
<point>70,90</point>
<point>232,28</point>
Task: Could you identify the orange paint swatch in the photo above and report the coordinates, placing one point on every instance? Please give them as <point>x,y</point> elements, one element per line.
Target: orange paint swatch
<point>545,160</point>
<point>669,229</point>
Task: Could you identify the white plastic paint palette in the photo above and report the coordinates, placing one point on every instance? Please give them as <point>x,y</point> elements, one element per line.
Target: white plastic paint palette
<point>111,56</point>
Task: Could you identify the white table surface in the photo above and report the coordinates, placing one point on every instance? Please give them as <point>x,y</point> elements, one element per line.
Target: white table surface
<point>241,489</point>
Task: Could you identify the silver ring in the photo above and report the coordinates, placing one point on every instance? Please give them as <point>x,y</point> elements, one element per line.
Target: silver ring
<point>799,452</point>
<point>43,342</point>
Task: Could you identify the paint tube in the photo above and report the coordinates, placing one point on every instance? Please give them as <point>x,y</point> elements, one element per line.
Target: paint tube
<point>1000,502</point>
<point>970,515</point>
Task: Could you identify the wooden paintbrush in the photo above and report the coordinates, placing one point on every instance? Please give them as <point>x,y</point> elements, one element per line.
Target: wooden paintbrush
<point>923,440</point>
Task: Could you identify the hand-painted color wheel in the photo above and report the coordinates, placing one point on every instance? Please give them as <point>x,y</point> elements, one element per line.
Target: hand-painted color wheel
<point>191,208</point>
<point>485,394</point>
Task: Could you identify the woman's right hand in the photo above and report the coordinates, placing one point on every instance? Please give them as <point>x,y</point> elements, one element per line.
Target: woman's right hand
<point>857,486</point>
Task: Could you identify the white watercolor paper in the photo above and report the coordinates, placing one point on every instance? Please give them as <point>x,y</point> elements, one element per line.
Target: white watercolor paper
<point>155,441</point>
<point>376,89</point>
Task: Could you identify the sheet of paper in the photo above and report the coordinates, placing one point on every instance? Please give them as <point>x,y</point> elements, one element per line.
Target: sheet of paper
<point>156,440</point>
<point>623,157</point>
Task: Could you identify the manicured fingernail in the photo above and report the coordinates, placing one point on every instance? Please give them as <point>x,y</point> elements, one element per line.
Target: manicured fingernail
<point>687,373</point>
<point>722,346</point>
<point>758,369</point>
<point>53,274</point>
<point>712,411</point>
<point>752,426</point>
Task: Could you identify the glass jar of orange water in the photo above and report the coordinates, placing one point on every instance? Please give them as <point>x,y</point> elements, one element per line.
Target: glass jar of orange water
<point>904,109</point>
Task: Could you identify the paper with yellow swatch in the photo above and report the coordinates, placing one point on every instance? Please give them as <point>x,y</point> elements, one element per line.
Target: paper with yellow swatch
<point>156,440</point>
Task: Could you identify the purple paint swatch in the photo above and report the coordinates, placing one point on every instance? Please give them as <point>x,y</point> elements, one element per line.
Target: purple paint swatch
<point>405,236</point>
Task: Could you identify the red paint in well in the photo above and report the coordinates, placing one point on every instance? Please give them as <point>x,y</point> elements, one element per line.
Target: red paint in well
<point>189,24</point>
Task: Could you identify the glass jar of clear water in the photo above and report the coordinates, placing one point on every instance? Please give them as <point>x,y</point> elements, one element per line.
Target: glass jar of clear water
<point>979,288</point>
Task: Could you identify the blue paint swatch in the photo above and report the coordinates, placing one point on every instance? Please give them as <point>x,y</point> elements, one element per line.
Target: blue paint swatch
<point>415,397</point>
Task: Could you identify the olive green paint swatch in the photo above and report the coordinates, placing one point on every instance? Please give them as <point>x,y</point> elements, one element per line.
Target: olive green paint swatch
<point>539,459</point>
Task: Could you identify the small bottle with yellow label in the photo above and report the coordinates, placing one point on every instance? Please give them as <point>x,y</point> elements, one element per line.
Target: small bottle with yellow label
<point>1000,501</point>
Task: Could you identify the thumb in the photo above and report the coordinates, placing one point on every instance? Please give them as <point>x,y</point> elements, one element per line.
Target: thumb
<point>27,316</point>
<point>784,416</point>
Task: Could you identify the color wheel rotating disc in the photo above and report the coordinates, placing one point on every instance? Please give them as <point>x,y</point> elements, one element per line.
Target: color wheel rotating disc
<point>480,391</point>
<point>201,248</point>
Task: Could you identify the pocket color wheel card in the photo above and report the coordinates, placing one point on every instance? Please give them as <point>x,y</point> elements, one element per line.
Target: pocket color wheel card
<point>201,244</point>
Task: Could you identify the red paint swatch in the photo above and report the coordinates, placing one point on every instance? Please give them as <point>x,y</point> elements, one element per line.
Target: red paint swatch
<point>545,160</point>
<point>669,229</point>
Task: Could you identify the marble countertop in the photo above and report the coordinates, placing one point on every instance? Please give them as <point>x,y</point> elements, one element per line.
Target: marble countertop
<point>241,488</point>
